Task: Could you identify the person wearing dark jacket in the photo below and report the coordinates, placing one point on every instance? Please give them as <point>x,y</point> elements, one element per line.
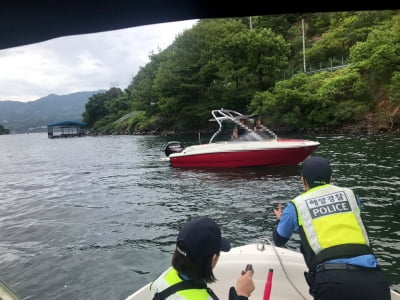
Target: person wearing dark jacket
<point>334,240</point>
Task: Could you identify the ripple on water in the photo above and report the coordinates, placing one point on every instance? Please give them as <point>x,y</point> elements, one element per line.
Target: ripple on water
<point>107,206</point>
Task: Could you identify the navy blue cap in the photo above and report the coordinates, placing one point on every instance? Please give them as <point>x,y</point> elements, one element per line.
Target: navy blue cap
<point>316,170</point>
<point>202,238</point>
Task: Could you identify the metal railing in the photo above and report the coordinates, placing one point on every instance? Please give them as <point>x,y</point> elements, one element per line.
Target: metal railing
<point>321,67</point>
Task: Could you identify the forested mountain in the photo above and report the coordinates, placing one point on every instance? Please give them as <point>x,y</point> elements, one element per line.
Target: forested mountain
<point>20,117</point>
<point>257,65</point>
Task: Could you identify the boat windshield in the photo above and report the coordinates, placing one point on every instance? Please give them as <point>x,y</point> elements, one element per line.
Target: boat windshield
<point>228,120</point>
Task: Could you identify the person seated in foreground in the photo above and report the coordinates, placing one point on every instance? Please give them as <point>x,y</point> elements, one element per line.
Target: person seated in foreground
<point>197,251</point>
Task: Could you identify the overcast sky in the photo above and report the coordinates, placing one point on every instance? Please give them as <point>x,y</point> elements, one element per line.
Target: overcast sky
<point>86,62</point>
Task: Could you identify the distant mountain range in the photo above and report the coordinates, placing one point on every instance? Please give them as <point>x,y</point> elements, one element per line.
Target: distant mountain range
<point>34,116</point>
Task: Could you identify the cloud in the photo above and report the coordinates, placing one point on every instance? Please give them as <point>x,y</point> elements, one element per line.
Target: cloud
<point>82,62</point>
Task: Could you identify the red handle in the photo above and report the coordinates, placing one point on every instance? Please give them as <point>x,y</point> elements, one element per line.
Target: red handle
<point>268,285</point>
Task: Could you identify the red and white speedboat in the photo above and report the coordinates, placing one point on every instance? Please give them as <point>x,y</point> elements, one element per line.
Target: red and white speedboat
<point>252,149</point>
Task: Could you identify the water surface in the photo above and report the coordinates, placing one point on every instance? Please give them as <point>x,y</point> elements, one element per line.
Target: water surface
<point>97,217</point>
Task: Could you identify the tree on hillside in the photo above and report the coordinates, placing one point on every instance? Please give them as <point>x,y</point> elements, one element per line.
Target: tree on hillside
<point>96,107</point>
<point>324,100</point>
<point>379,56</point>
<point>219,63</point>
<point>346,29</point>
<point>141,90</point>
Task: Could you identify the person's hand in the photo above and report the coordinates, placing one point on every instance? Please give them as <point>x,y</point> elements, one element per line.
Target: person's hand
<point>244,284</point>
<point>278,211</point>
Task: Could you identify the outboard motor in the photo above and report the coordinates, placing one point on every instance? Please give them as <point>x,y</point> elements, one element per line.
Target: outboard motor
<point>173,147</point>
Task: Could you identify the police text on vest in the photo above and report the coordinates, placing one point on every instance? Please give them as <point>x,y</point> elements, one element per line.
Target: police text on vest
<point>328,205</point>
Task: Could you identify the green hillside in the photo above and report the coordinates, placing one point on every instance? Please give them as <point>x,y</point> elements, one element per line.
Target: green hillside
<point>347,77</point>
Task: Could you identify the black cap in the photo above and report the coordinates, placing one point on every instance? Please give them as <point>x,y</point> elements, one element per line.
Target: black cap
<point>316,170</point>
<point>202,238</point>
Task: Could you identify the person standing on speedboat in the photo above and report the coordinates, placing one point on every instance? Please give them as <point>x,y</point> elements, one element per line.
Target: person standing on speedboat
<point>334,241</point>
<point>240,131</point>
<point>258,128</point>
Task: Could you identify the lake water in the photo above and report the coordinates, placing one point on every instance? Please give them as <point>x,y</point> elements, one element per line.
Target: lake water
<point>97,217</point>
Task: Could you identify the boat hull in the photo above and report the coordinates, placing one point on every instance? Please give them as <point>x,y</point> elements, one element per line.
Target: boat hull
<point>247,154</point>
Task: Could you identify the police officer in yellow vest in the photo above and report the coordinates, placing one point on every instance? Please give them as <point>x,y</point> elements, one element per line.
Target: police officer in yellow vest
<point>334,241</point>
<point>197,251</point>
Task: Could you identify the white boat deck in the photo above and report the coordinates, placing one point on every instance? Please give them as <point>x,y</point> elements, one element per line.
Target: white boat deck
<point>288,266</point>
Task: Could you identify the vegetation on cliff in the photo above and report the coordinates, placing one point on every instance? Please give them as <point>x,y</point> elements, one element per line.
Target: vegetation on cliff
<point>257,65</point>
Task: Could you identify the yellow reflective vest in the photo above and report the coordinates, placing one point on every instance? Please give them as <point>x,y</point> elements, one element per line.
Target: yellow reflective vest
<point>171,277</point>
<point>330,224</point>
